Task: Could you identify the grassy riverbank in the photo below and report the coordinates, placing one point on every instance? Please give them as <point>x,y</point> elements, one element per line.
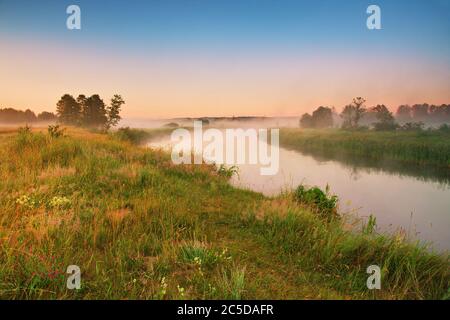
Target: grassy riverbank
<point>140,227</point>
<point>422,148</point>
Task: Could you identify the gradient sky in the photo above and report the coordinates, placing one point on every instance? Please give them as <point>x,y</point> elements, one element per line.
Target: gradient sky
<point>221,58</point>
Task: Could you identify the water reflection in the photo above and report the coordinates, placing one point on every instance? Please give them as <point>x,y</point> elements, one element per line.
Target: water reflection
<point>425,173</point>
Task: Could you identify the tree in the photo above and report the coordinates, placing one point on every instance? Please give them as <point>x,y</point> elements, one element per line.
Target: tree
<point>89,111</point>
<point>347,116</point>
<point>46,116</point>
<point>439,114</point>
<point>306,121</point>
<point>29,116</point>
<point>322,117</point>
<point>113,111</point>
<point>360,109</point>
<point>404,113</point>
<point>385,118</point>
<point>68,110</point>
<point>353,112</point>
<point>420,112</point>
<point>94,112</point>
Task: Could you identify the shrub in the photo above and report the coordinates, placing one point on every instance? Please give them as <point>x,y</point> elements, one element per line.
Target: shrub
<point>223,171</point>
<point>24,130</point>
<point>444,128</point>
<point>55,131</point>
<point>135,136</point>
<point>413,126</point>
<point>325,204</point>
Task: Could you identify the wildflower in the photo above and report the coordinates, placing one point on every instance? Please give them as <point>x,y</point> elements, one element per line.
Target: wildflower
<point>26,202</point>
<point>180,291</point>
<point>59,202</point>
<point>198,262</point>
<point>212,289</point>
<point>163,290</point>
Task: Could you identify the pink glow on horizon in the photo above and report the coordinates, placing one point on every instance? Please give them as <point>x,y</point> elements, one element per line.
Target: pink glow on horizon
<point>36,75</point>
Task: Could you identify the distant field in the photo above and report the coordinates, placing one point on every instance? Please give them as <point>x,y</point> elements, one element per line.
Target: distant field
<point>428,148</point>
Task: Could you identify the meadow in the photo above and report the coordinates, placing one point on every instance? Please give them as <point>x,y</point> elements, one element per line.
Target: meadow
<point>418,148</point>
<point>140,227</point>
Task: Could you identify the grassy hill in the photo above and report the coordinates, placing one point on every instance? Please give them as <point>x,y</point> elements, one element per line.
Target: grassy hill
<point>140,227</point>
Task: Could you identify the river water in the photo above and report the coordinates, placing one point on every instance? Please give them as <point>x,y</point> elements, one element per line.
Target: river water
<point>420,207</point>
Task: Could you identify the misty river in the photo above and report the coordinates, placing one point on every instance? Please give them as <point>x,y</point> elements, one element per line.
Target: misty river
<point>417,205</point>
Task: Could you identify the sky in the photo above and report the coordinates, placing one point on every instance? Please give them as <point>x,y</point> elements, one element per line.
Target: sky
<point>191,58</point>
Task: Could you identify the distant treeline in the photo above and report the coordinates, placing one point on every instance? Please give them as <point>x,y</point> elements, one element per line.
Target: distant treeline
<point>10,115</point>
<point>83,111</point>
<point>357,115</point>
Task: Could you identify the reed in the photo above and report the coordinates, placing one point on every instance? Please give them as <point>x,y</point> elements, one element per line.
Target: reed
<point>421,148</point>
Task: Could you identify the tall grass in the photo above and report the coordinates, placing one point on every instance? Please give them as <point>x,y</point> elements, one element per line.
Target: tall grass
<point>430,148</point>
<point>138,136</point>
<point>329,251</point>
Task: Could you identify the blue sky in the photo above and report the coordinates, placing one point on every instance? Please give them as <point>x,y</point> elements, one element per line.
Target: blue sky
<point>236,24</point>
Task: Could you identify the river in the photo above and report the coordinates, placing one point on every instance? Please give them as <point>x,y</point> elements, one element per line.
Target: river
<point>420,207</point>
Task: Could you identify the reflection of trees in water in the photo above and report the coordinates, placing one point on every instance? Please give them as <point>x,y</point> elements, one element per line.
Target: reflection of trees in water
<point>355,172</point>
<point>357,165</point>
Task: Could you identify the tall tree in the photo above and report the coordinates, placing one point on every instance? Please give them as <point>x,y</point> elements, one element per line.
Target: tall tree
<point>322,117</point>
<point>46,116</point>
<point>420,112</point>
<point>113,111</point>
<point>404,113</point>
<point>353,112</point>
<point>306,121</point>
<point>68,110</point>
<point>81,100</point>
<point>94,112</point>
<point>385,118</point>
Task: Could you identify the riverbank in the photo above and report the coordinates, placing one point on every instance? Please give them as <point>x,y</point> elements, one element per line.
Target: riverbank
<point>140,227</point>
<point>429,149</point>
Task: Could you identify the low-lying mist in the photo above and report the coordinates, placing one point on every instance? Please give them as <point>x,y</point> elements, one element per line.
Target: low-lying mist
<point>237,122</point>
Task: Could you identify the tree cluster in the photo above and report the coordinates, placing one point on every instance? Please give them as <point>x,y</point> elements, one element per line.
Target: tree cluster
<point>10,115</point>
<point>356,114</point>
<point>322,117</point>
<point>424,112</point>
<point>90,111</point>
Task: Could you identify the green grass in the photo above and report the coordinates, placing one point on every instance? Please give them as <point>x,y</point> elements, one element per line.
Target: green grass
<point>141,228</point>
<point>138,136</point>
<point>421,148</point>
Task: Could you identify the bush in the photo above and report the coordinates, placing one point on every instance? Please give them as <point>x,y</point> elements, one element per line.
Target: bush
<point>24,130</point>
<point>135,136</point>
<point>325,204</point>
<point>385,126</point>
<point>444,128</point>
<point>55,131</point>
<point>413,126</point>
<point>223,171</point>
